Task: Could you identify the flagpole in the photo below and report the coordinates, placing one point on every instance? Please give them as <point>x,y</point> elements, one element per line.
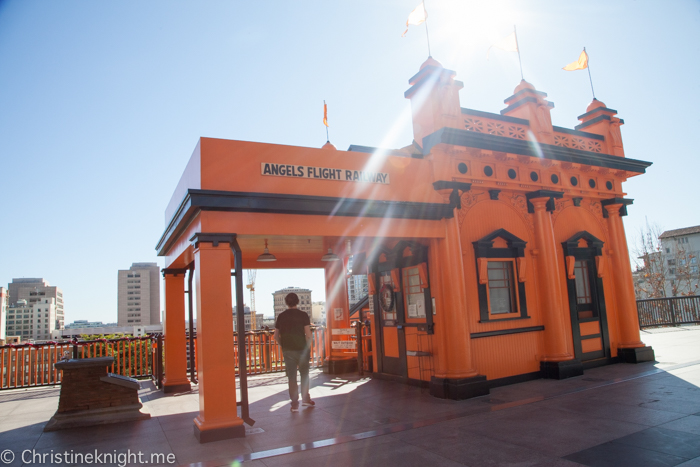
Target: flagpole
<point>517,46</point>
<point>328,140</point>
<point>426,28</point>
<point>588,63</point>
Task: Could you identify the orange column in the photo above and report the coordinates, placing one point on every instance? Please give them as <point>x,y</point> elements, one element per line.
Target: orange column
<point>556,353</point>
<point>174,329</point>
<point>216,364</point>
<point>631,348</point>
<point>455,376</point>
<point>337,361</point>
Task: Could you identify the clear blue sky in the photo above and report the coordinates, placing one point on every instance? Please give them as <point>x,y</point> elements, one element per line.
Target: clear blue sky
<point>101,105</point>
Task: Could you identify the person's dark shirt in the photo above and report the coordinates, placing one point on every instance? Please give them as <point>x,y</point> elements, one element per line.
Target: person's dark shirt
<point>291,324</point>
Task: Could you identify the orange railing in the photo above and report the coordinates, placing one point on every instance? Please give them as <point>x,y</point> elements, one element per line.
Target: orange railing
<point>27,365</point>
<point>264,355</point>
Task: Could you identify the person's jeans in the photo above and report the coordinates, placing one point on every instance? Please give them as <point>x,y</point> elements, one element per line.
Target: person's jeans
<point>293,360</point>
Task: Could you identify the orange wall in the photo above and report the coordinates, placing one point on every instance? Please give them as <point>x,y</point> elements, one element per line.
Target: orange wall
<point>236,166</point>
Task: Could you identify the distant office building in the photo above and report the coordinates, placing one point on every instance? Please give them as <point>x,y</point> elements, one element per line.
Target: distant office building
<point>33,321</point>
<point>4,302</point>
<point>357,289</point>
<point>318,313</point>
<point>37,290</point>
<point>138,299</point>
<point>106,330</point>
<point>34,309</point>
<point>83,323</point>
<point>248,316</point>
<point>675,264</point>
<point>304,300</point>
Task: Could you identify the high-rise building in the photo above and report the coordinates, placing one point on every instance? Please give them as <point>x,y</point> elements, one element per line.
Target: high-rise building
<point>35,290</point>
<point>33,321</point>
<point>357,288</point>
<point>4,302</point>
<point>138,300</point>
<point>304,300</point>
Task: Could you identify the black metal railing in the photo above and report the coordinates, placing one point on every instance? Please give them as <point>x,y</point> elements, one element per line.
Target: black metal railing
<point>673,311</point>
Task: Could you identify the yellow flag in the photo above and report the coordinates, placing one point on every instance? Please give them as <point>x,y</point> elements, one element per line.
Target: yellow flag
<point>325,113</point>
<point>580,64</point>
<point>508,43</point>
<point>417,16</point>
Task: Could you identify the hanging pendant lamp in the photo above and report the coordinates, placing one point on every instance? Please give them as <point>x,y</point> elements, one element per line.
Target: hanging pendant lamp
<point>266,256</point>
<point>330,256</point>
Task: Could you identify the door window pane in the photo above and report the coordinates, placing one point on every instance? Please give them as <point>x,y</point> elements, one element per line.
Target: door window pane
<point>413,293</point>
<point>583,286</point>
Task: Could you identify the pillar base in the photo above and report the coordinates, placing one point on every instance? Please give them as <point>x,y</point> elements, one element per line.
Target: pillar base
<point>338,367</point>
<point>636,355</point>
<point>218,434</point>
<point>561,370</point>
<point>458,389</point>
<point>170,388</point>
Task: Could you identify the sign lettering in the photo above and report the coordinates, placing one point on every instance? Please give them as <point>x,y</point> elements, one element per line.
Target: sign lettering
<point>343,344</point>
<point>323,173</point>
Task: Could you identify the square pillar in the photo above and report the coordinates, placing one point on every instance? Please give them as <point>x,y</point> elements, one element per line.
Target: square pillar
<point>337,298</point>
<point>216,363</point>
<point>174,329</point>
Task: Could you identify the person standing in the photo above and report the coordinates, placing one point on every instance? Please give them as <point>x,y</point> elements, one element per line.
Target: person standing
<point>293,333</point>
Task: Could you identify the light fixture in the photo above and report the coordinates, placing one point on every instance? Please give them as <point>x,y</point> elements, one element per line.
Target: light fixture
<point>266,256</point>
<point>330,256</point>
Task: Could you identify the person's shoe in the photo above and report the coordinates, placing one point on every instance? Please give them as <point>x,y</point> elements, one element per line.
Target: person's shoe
<point>308,403</point>
<point>295,407</point>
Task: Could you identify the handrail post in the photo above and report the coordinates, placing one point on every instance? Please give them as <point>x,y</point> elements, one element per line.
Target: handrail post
<point>193,364</point>
<point>673,312</point>
<point>360,359</point>
<point>75,348</point>
<point>159,361</point>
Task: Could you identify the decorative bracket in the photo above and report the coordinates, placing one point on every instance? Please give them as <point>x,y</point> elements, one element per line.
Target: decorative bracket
<point>456,187</point>
<point>552,195</point>
<point>623,201</point>
<point>213,238</point>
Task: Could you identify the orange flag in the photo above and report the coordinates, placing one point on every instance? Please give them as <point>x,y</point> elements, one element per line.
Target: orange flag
<point>580,64</point>
<point>325,114</point>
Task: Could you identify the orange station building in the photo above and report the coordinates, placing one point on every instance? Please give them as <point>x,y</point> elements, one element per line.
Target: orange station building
<point>494,245</point>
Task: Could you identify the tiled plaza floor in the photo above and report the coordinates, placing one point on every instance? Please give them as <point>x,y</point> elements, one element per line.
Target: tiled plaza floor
<point>618,415</point>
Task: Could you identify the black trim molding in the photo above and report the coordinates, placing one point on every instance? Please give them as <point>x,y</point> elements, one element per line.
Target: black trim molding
<point>278,203</point>
<point>471,139</point>
<point>505,332</point>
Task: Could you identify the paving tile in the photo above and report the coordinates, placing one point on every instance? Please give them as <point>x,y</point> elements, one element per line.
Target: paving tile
<point>312,456</point>
<point>620,455</point>
<point>691,463</point>
<point>689,424</point>
<point>598,407</point>
<point>475,450</point>
<point>666,441</point>
<point>553,432</point>
<point>393,454</point>
<point>188,450</point>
